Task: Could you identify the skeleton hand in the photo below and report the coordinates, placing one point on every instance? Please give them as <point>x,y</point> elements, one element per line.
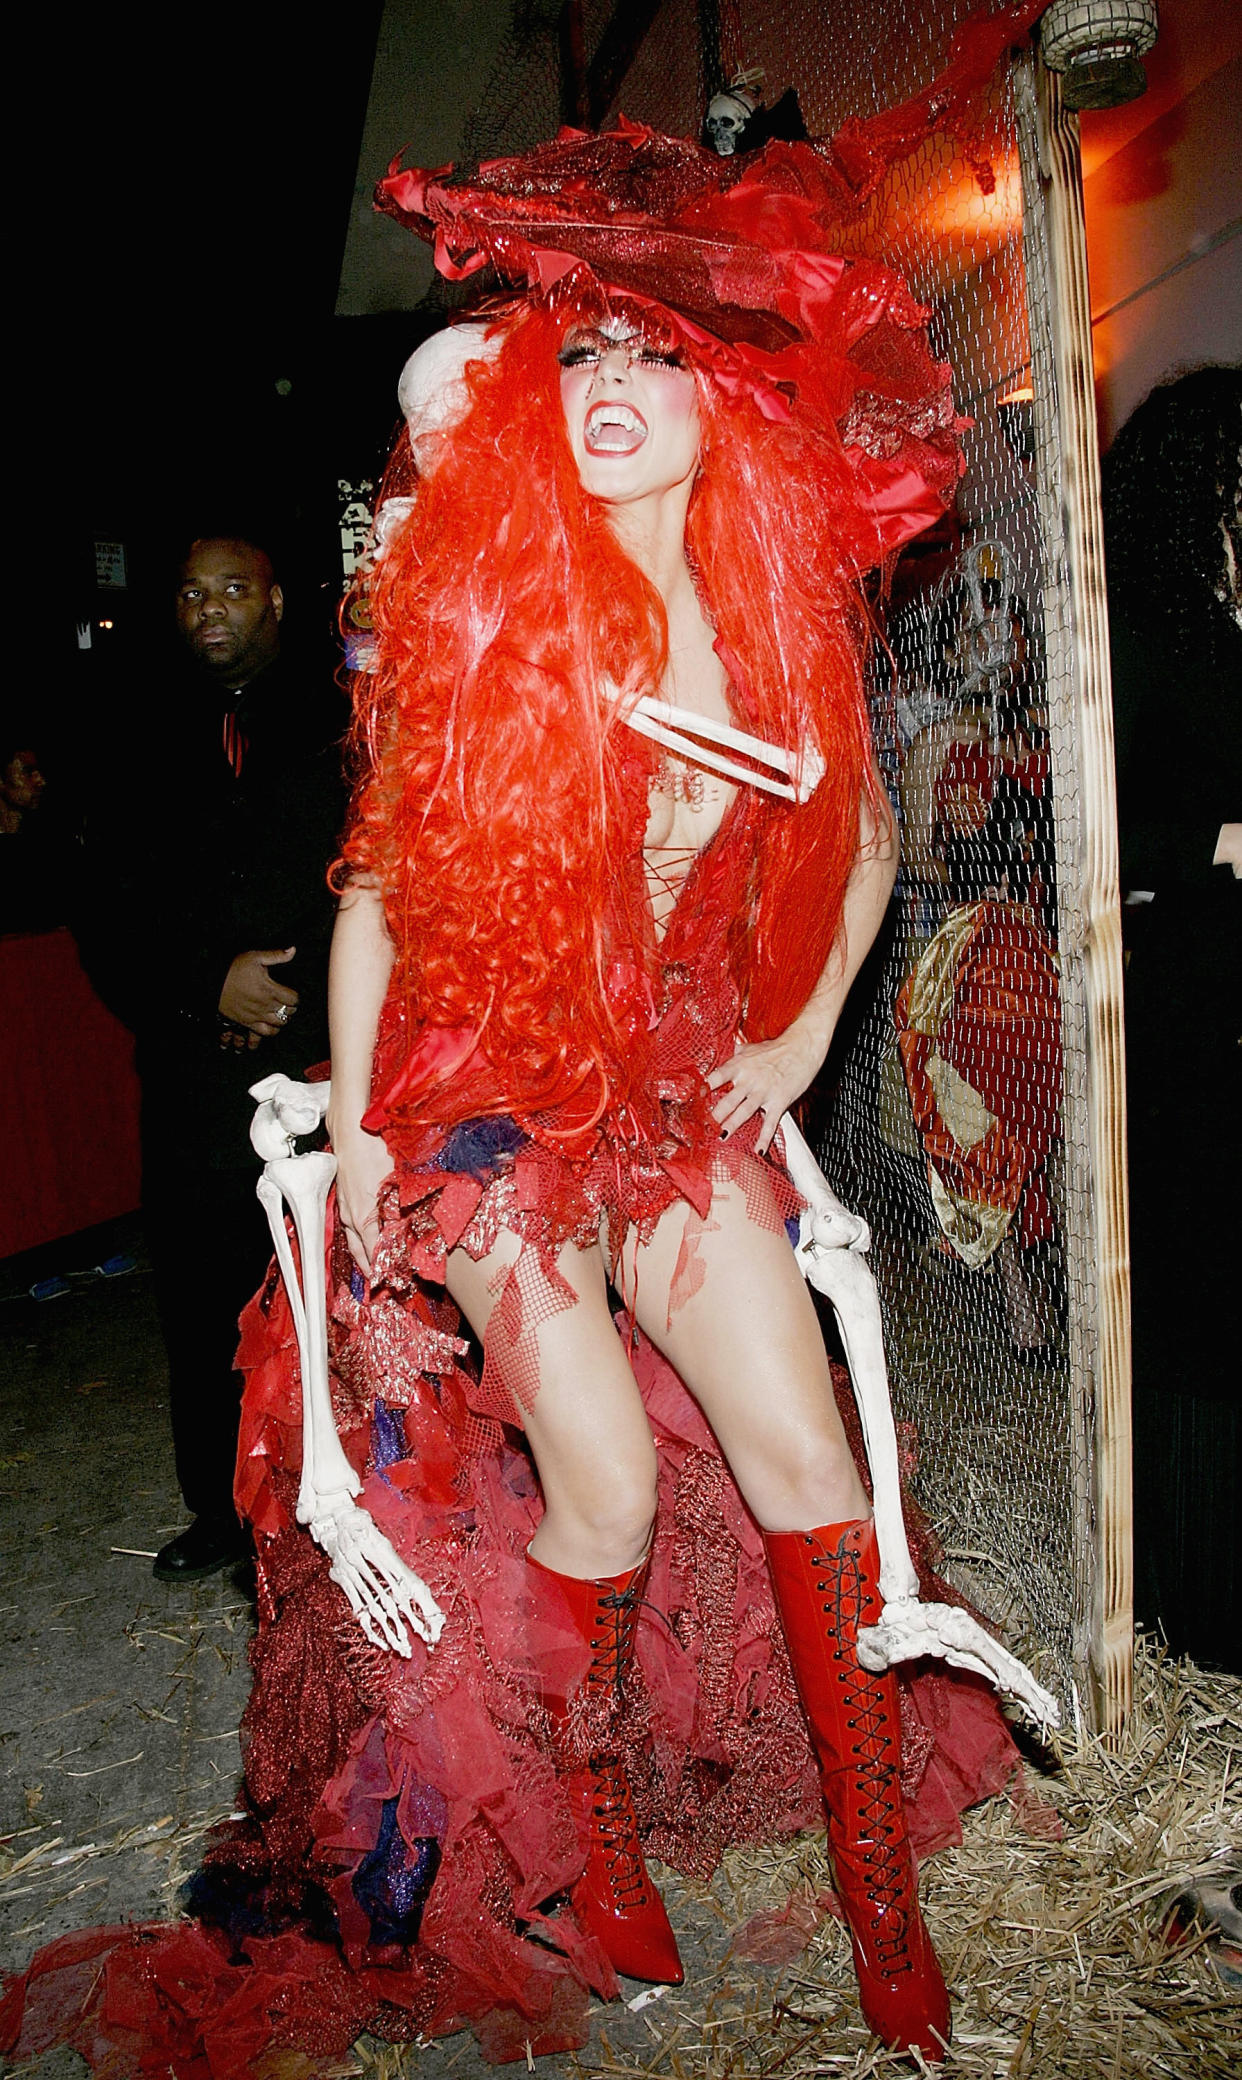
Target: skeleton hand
<point>383,1593</point>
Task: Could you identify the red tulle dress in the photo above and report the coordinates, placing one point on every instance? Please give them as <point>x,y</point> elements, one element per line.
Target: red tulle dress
<point>406,1860</point>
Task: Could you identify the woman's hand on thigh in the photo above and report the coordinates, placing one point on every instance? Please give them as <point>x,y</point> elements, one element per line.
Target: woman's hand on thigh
<point>765,1076</point>
<point>362,1165</point>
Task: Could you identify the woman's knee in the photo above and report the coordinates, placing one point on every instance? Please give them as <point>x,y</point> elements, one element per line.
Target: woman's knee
<point>597,1532</point>
<point>612,1506</point>
<point>597,1463</point>
<point>795,1483</point>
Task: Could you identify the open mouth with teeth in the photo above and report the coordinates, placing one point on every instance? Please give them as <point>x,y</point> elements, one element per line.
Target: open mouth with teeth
<point>613,428</point>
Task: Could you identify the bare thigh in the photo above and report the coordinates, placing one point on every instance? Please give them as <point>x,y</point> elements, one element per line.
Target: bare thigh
<point>748,1346</point>
<point>588,1430</point>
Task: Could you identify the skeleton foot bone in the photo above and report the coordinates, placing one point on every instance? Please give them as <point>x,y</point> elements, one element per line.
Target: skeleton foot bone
<point>383,1593</point>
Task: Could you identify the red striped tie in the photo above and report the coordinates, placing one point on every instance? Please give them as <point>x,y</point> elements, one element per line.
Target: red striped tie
<point>234,742</point>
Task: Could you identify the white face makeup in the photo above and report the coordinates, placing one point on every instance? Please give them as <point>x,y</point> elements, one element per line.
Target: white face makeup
<point>631,410</point>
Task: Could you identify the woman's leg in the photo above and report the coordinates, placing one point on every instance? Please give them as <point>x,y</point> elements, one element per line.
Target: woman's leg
<point>596,1461</point>
<point>587,1428</point>
<point>747,1345</point>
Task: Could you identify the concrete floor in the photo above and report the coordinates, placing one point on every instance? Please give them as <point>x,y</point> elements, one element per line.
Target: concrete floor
<point>121,1695</point>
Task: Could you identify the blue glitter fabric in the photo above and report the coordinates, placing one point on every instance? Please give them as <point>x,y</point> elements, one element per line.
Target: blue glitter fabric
<point>388,1442</point>
<point>480,1148</point>
<point>392,1883</point>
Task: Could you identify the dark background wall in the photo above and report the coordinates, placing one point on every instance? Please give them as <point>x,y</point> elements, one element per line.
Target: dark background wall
<point>219,156</point>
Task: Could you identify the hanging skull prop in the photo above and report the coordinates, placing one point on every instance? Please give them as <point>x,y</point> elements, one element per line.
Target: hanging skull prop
<point>432,390</point>
<point>728,115</point>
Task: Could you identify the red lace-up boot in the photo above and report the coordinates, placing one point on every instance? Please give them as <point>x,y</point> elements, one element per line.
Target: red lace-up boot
<point>827,1586</point>
<point>615,1899</point>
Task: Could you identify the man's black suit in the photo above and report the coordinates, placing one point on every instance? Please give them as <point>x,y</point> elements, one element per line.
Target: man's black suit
<point>212,863</point>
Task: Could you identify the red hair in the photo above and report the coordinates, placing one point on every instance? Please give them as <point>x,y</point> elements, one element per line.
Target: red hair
<point>498,807</point>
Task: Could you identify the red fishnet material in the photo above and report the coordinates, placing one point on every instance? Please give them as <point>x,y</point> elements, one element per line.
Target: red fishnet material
<point>530,1293</point>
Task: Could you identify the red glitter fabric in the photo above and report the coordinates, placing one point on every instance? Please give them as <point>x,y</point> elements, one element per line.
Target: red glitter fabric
<point>456,1745</point>
<point>677,1006</point>
<point>407,1855</point>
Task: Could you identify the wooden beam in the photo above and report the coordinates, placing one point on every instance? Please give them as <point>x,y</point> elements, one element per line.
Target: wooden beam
<point>1076,625</point>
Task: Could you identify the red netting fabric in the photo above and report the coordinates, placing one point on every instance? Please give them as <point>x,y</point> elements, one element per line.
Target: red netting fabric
<point>406,1832</point>
<point>459,1184</point>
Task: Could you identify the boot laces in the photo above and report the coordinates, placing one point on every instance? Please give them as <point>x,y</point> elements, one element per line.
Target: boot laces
<point>616,1617</point>
<point>874,1824</point>
<point>616,1831</point>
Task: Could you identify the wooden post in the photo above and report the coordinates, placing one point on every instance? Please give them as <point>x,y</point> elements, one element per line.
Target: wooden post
<point>1089,911</point>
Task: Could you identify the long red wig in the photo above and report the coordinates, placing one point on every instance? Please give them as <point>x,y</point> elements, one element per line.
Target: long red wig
<point>492,808</point>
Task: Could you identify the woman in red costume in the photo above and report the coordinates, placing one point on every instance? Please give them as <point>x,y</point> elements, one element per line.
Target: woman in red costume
<point>592,973</point>
<point>605,944</point>
<point>617,851</point>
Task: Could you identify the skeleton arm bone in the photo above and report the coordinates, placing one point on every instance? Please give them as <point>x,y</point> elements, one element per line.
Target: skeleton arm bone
<point>384,1594</point>
<point>830,1254</point>
<point>679,728</point>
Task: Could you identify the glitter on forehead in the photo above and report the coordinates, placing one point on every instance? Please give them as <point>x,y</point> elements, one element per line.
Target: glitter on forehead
<point>612,318</point>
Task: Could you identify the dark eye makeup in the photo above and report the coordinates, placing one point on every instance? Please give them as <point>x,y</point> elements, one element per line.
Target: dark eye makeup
<point>584,352</point>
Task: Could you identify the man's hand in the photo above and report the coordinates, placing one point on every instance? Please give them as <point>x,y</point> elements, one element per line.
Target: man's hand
<point>252,1001</point>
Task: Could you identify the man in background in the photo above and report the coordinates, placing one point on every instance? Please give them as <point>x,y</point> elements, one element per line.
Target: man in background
<point>208,924</point>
